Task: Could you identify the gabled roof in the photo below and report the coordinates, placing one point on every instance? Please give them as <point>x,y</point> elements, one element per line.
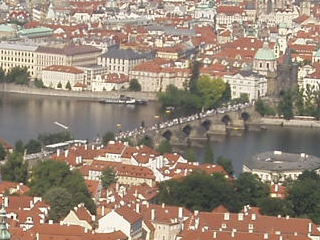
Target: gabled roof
<point>127,54</point>
<point>128,214</point>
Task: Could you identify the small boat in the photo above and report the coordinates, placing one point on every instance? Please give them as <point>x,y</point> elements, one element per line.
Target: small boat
<point>123,100</point>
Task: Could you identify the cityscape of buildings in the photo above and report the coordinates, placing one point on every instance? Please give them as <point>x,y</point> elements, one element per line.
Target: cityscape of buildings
<point>259,47</point>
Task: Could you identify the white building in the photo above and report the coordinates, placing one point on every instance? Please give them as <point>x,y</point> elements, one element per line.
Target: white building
<point>279,166</point>
<point>264,60</point>
<point>58,75</point>
<point>246,82</point>
<point>124,219</point>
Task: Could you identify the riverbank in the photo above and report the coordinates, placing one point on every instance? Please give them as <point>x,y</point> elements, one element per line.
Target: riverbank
<point>20,89</point>
<point>289,123</point>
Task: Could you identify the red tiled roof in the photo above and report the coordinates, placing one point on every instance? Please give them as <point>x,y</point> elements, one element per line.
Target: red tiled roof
<point>65,69</point>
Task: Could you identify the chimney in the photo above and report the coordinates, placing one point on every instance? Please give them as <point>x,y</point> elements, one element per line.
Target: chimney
<point>232,234</point>
<point>163,205</point>
<point>66,153</point>
<point>137,208</point>
<point>276,187</point>
<point>180,214</point>
<point>214,235</point>
<point>37,236</point>
<point>253,216</point>
<point>309,227</point>
<point>265,236</point>
<point>102,210</point>
<point>6,201</point>
<point>85,147</point>
<point>196,212</point>
<point>153,214</point>
<point>196,223</point>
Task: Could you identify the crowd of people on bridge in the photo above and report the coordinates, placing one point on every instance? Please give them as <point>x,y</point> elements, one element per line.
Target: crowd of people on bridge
<point>177,121</point>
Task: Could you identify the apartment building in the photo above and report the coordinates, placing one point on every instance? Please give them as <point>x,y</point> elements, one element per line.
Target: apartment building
<point>35,58</point>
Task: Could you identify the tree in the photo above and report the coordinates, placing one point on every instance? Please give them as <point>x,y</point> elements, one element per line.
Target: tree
<point>51,174</point>
<point>260,108</point>
<point>211,91</point>
<point>226,164</point>
<point>146,141</point>
<point>244,98</point>
<point>208,155</point>
<point>165,147</point>
<point>33,146</point>
<point>275,206</point>
<point>135,85</point>
<point>107,137</point>
<point>108,177</point>
<point>2,152</point>
<point>285,106</point>
<point>68,86</point>
<point>195,73</point>
<point>15,169</point>
<point>60,201</point>
<point>251,189</point>
<point>59,85</point>
<point>19,147</point>
<point>226,97</point>
<point>2,75</point>
<point>299,100</point>
<point>190,155</point>
<point>18,75</point>
<point>51,138</point>
<point>38,83</point>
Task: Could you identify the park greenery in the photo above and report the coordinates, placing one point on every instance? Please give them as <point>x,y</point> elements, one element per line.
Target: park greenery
<point>107,137</point>
<point>201,191</point>
<point>16,75</point>
<point>203,92</point>
<point>35,145</point>
<point>165,147</point>
<point>15,169</point>
<point>50,178</point>
<point>301,102</point>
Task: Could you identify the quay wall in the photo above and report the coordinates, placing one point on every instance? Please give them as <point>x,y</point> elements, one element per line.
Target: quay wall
<point>21,89</point>
<point>289,123</point>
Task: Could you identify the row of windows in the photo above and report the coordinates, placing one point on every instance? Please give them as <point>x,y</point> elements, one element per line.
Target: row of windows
<point>16,53</point>
<point>17,59</point>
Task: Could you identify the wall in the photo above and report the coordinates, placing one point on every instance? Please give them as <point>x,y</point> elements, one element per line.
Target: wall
<point>12,88</point>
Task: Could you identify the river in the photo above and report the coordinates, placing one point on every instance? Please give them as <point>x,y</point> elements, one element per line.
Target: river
<point>24,117</point>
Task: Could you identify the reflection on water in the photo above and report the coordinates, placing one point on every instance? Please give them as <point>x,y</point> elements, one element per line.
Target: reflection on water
<point>24,117</point>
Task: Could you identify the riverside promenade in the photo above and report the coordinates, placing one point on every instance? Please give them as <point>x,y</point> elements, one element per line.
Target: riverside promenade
<point>21,89</point>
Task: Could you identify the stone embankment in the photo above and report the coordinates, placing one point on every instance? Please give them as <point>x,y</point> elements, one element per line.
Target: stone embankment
<point>20,89</point>
<point>289,123</point>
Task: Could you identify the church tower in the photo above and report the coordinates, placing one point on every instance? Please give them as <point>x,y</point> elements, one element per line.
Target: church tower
<point>4,233</point>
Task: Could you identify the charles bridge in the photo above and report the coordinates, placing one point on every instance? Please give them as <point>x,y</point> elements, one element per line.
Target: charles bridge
<point>211,125</point>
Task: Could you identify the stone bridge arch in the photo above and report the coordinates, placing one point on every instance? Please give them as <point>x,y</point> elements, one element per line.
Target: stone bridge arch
<point>187,129</point>
<point>206,124</point>
<point>167,134</point>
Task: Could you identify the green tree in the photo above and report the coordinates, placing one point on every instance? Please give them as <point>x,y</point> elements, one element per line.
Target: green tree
<point>108,177</point>
<point>251,189</point>
<point>38,83</point>
<point>226,97</point>
<point>135,85</point>
<point>146,141</point>
<point>211,91</point>
<point>2,152</point>
<point>208,155</point>
<point>59,85</point>
<point>260,107</point>
<point>285,106</point>
<point>60,201</point>
<point>15,169</point>
<point>33,146</point>
<point>68,86</point>
<point>226,164</point>
<point>2,75</point>
<point>244,98</point>
<point>275,206</point>
<point>19,147</point>
<point>18,75</point>
<point>195,73</point>
<point>190,155</point>
<point>52,138</point>
<point>107,137</point>
<point>51,174</point>
<point>165,147</point>
<point>299,101</point>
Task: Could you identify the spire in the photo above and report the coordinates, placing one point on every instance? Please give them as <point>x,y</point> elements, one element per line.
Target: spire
<point>4,233</point>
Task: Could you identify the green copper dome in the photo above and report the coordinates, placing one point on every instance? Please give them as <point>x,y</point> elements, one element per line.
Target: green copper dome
<point>265,53</point>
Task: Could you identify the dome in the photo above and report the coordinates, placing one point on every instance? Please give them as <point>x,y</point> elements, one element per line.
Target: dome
<point>265,53</point>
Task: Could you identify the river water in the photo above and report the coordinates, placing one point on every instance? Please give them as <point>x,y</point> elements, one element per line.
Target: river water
<point>24,117</point>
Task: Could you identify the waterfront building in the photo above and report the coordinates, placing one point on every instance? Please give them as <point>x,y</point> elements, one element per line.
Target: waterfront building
<point>58,76</point>
<point>277,166</point>
<point>247,82</point>
<point>121,61</point>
